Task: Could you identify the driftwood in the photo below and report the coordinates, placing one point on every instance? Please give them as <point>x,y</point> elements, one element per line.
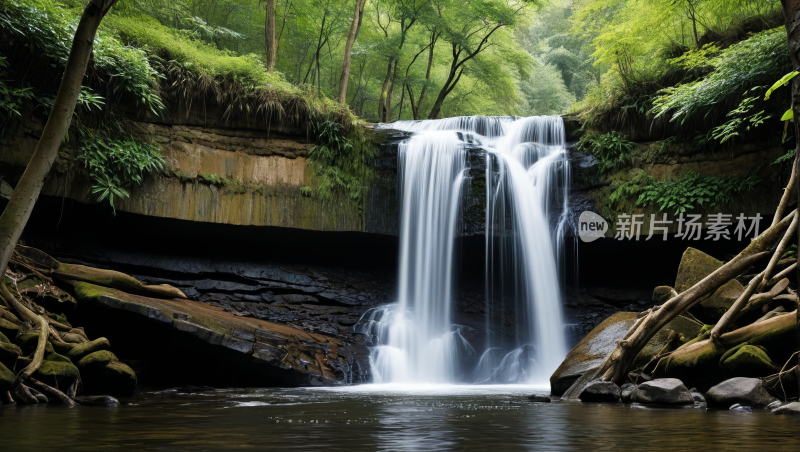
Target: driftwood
<point>784,243</point>
<point>740,302</point>
<point>49,389</point>
<point>618,363</point>
<point>706,351</point>
<point>761,299</point>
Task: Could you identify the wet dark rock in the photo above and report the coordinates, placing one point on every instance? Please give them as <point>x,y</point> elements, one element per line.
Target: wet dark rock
<point>627,392</point>
<point>97,400</point>
<point>739,407</point>
<point>539,398</point>
<point>662,391</point>
<point>601,391</point>
<point>789,408</point>
<point>662,294</point>
<point>39,396</point>
<point>698,398</point>
<point>744,391</point>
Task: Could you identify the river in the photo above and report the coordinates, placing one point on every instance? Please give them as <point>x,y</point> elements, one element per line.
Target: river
<point>391,418</point>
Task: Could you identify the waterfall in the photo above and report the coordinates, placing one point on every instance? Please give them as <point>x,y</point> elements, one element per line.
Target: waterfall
<point>527,175</point>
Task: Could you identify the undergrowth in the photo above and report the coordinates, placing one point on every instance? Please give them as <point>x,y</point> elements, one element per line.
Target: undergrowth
<point>613,150</point>
<point>688,192</point>
<point>341,161</point>
<point>116,160</point>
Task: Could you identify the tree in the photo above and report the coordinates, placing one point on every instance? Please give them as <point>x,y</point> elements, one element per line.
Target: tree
<point>270,43</point>
<point>470,28</point>
<point>351,38</point>
<point>19,208</point>
<point>791,15</point>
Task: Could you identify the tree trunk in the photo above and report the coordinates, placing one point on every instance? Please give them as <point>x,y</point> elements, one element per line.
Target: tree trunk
<point>382,100</point>
<point>271,44</point>
<point>16,214</point>
<point>389,93</point>
<point>348,46</point>
<point>423,96</point>
<point>791,16</point>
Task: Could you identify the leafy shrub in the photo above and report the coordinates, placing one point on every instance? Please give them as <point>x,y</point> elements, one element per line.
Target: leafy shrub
<point>737,69</point>
<point>12,99</point>
<point>341,162</point>
<point>116,160</point>
<point>48,27</point>
<point>613,150</point>
<point>690,191</point>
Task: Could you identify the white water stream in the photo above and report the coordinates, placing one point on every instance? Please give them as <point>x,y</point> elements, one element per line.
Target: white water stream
<point>527,179</point>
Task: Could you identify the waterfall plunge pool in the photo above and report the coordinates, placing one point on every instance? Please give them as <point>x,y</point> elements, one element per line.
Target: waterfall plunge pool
<point>384,417</point>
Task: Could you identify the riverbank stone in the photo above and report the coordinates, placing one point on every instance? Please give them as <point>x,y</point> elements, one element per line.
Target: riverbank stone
<point>749,361</point>
<point>115,378</point>
<point>789,408</point>
<point>662,391</point>
<point>97,400</point>
<point>662,294</point>
<point>696,265</point>
<point>539,398</point>
<point>741,390</point>
<point>80,350</point>
<point>601,391</point>
<point>626,391</point>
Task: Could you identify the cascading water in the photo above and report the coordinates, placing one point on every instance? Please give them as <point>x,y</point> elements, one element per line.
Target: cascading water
<point>526,168</point>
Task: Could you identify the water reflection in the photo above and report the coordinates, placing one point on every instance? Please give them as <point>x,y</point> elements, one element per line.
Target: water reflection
<point>384,418</point>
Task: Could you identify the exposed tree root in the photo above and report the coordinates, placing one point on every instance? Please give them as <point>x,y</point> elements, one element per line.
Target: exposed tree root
<point>49,389</point>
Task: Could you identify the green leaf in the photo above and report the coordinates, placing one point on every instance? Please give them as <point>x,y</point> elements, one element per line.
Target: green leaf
<point>783,81</point>
<point>788,115</point>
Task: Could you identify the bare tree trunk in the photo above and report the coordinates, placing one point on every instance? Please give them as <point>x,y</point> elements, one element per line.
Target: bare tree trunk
<point>348,46</point>
<point>389,92</point>
<point>423,96</point>
<point>382,100</point>
<point>19,208</point>
<point>271,44</point>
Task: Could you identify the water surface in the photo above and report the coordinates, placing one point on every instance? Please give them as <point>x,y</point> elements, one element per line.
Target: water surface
<point>394,418</point>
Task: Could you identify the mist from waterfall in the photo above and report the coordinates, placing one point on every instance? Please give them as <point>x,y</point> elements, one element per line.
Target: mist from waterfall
<point>527,175</point>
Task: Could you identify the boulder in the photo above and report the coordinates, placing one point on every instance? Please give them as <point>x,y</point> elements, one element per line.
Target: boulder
<point>6,378</point>
<point>663,391</point>
<point>741,390</point>
<point>80,350</point>
<point>8,329</point>
<point>97,400</point>
<point>789,408</point>
<point>539,398</point>
<point>748,361</point>
<point>57,373</point>
<point>99,358</point>
<point>114,378</point>
<point>591,351</point>
<point>627,392</point>
<point>662,294</point>
<point>9,353</point>
<point>72,338</point>
<point>696,265</point>
<point>602,340</point>
<point>698,398</point>
<point>601,391</point>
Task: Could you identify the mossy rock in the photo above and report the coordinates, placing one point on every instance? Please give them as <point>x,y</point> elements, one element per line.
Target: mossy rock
<point>3,338</point>
<point>696,265</point>
<point>749,361</point>
<point>114,378</point>
<point>9,353</point>
<point>60,318</point>
<point>62,373</point>
<point>8,329</point>
<point>29,341</point>
<point>53,356</point>
<point>97,359</point>
<point>62,347</point>
<point>6,378</point>
<point>80,350</point>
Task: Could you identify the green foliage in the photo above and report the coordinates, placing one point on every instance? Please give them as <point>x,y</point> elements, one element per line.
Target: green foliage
<point>49,27</point>
<point>737,70</point>
<point>613,150</point>
<point>685,193</point>
<point>115,160</point>
<point>739,121</point>
<point>212,179</point>
<point>785,158</point>
<point>790,253</point>
<point>12,98</point>
<point>341,162</point>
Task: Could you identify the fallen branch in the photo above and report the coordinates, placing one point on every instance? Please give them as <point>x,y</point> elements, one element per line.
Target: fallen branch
<point>784,243</point>
<point>618,363</point>
<point>761,299</point>
<point>787,194</point>
<point>58,394</point>
<point>783,274</point>
<point>740,302</point>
